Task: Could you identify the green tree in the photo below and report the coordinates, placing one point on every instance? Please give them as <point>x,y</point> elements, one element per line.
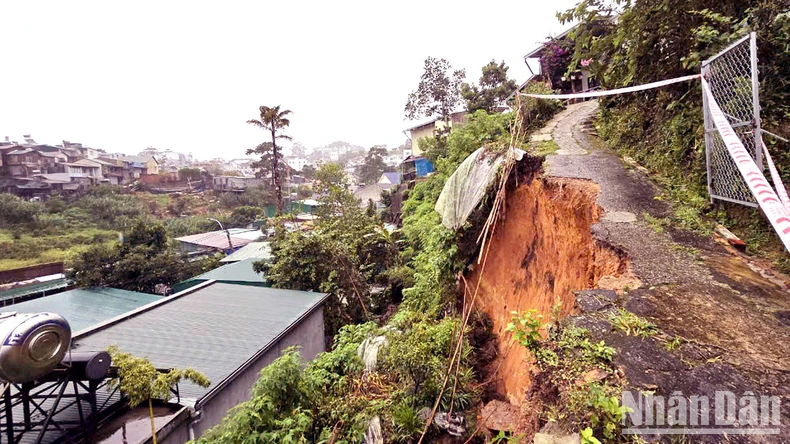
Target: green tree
<point>438,94</point>
<point>274,121</point>
<point>144,262</point>
<point>374,165</point>
<point>140,381</point>
<point>14,210</point>
<point>308,172</point>
<point>494,87</point>
<point>334,190</point>
<point>191,174</point>
<point>266,153</point>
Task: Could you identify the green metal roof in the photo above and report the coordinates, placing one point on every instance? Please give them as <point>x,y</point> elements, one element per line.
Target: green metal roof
<point>215,329</point>
<point>236,273</point>
<point>254,250</point>
<point>32,290</point>
<point>85,308</point>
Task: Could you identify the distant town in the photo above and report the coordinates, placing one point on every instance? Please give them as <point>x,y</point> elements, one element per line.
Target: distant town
<point>33,170</point>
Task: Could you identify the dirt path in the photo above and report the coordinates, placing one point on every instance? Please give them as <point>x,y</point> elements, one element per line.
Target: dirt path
<point>733,323</point>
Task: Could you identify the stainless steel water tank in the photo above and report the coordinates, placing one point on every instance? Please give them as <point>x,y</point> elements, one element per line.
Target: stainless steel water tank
<point>32,344</point>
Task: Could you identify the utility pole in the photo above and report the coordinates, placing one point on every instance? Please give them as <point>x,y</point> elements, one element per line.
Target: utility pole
<point>227,233</point>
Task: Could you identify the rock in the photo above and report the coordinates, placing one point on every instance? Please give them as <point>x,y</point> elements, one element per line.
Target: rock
<point>454,424</point>
<point>500,416</point>
<point>545,438</point>
<point>594,300</point>
<point>554,433</point>
<point>593,375</point>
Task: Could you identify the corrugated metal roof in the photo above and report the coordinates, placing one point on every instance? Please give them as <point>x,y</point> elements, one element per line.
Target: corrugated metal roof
<point>241,271</point>
<point>86,308</point>
<point>27,291</point>
<point>214,329</point>
<point>219,239</point>
<point>254,250</point>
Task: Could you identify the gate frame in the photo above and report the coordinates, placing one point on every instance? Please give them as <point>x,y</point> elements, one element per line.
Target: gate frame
<point>755,123</point>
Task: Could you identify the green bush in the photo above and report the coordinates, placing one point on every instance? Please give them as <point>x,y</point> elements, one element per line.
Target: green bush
<point>14,211</point>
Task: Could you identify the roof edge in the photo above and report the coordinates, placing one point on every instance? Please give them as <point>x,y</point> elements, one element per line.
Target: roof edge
<point>243,367</point>
<point>122,317</point>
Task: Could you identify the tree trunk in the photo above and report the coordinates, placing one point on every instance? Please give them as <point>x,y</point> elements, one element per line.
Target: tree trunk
<point>278,192</point>
<point>151,414</point>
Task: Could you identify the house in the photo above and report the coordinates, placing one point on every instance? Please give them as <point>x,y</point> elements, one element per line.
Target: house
<point>370,192</point>
<point>235,183</point>
<point>113,170</point>
<point>390,178</point>
<point>22,162</point>
<point>416,166</point>
<point>297,163</point>
<point>214,241</point>
<point>551,60</point>
<point>429,129</point>
<point>137,165</point>
<point>84,171</point>
<point>229,332</point>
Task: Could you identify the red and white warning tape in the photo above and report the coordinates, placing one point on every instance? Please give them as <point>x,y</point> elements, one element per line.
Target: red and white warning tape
<point>774,209</point>
<point>612,92</point>
<point>781,191</point>
<point>775,204</point>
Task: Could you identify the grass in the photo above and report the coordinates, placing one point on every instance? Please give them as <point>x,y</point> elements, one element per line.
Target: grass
<point>631,324</point>
<point>41,248</point>
<point>544,148</point>
<point>655,224</point>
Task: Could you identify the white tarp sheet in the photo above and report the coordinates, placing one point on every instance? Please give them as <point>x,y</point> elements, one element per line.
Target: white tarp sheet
<point>464,190</point>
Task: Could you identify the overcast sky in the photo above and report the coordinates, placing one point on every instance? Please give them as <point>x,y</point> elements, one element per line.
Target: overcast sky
<point>186,75</point>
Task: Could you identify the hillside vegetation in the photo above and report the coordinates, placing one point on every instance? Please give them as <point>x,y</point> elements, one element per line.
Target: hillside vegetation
<point>60,229</point>
<point>662,128</point>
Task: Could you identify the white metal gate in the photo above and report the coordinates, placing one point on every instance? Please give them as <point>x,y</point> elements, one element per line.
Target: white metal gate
<point>733,78</point>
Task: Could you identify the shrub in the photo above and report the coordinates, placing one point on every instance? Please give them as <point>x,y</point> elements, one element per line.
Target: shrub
<point>14,210</point>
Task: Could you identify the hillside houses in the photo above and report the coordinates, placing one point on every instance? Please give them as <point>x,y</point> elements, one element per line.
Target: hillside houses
<point>31,169</point>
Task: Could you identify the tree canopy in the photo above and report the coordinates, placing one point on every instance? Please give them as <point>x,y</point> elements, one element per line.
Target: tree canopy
<point>492,89</point>
<point>144,262</point>
<point>438,93</point>
<point>274,120</point>
<point>374,165</point>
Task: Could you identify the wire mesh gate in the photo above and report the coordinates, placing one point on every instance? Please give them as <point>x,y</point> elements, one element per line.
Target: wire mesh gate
<point>732,75</point>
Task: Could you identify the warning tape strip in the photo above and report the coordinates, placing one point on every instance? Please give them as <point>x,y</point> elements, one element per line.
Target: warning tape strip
<point>612,92</point>
<point>769,202</point>
<point>781,191</point>
<point>775,204</point>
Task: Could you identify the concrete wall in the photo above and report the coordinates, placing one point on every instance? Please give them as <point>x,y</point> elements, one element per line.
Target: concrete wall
<point>417,135</point>
<point>309,334</point>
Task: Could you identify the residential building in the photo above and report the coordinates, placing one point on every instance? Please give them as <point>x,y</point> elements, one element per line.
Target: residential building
<point>214,241</point>
<point>84,171</point>
<point>22,162</point>
<point>297,163</point>
<point>415,167</point>
<point>429,129</point>
<point>113,171</point>
<point>391,178</point>
<point>229,332</point>
<point>235,183</point>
